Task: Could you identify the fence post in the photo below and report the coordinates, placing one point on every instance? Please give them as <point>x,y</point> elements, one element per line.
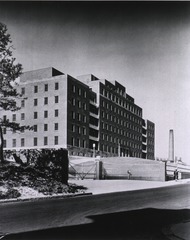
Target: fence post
<point>98,169</point>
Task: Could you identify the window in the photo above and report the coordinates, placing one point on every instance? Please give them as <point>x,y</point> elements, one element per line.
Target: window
<point>45,114</point>
<point>14,143</point>
<point>45,127</point>
<point>23,91</point>
<point>4,118</point>
<point>78,129</point>
<point>79,91</point>
<point>73,128</point>
<point>46,87</point>
<point>78,142</point>
<point>73,115</point>
<point>14,117</point>
<point>84,143</point>
<point>56,140</point>
<point>56,112</point>
<point>35,102</point>
<point>84,131</point>
<point>79,116</point>
<point>84,106</point>
<point>35,89</point>
<point>73,101</point>
<point>56,99</point>
<point>45,100</point>
<point>73,141</point>
<point>4,130</point>
<point>56,86</point>
<point>45,141</point>
<point>56,126</point>
<point>22,142</point>
<point>35,115</point>
<point>35,141</point>
<point>35,127</point>
<point>84,119</point>
<point>103,136</point>
<point>22,116</point>
<point>4,143</point>
<point>79,104</point>
<point>73,88</point>
<point>22,103</point>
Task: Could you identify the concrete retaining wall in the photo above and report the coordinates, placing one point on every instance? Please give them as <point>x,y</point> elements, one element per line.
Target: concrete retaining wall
<point>183,170</point>
<point>117,168</point>
<point>133,168</point>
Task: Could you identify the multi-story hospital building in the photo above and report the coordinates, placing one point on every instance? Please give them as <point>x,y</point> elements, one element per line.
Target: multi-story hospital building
<point>79,114</point>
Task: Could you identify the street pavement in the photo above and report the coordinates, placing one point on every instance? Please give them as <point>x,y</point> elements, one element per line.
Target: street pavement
<point>180,230</point>
<point>148,206</point>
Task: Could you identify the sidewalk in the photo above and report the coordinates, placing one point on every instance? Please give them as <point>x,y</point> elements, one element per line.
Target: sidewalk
<point>108,186</point>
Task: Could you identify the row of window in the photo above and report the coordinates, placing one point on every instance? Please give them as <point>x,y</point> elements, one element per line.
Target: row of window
<point>56,127</point>
<point>150,149</point>
<point>46,87</point>
<point>78,129</point>
<point>150,127</point>
<point>79,117</point>
<point>111,117</point>
<point>79,104</point>
<point>114,150</point>
<point>79,91</point>
<point>114,129</point>
<point>35,142</point>
<point>110,138</point>
<point>125,105</point>
<point>151,135</point>
<point>56,100</point>
<point>22,117</point>
<point>56,114</point>
<point>14,116</point>
<point>111,96</point>
<point>150,142</point>
<point>77,142</point>
<point>117,120</point>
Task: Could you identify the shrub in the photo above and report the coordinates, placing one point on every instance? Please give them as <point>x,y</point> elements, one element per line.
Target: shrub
<point>11,193</point>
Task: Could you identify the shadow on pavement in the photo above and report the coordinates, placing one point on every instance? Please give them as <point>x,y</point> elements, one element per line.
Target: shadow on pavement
<point>145,224</point>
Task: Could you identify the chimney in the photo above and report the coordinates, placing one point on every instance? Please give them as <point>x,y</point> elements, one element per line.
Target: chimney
<point>171,146</point>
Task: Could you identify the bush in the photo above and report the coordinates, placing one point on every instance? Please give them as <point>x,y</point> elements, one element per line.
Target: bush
<point>11,193</point>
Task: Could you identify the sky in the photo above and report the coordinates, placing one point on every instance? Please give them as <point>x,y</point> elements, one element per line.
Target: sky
<point>143,45</point>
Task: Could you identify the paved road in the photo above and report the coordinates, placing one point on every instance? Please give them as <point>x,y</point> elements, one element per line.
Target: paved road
<point>56,213</point>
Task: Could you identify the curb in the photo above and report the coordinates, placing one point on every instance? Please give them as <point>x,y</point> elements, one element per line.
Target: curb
<point>44,198</point>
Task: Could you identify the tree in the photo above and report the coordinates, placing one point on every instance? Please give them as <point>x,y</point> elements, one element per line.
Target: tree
<point>9,72</point>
